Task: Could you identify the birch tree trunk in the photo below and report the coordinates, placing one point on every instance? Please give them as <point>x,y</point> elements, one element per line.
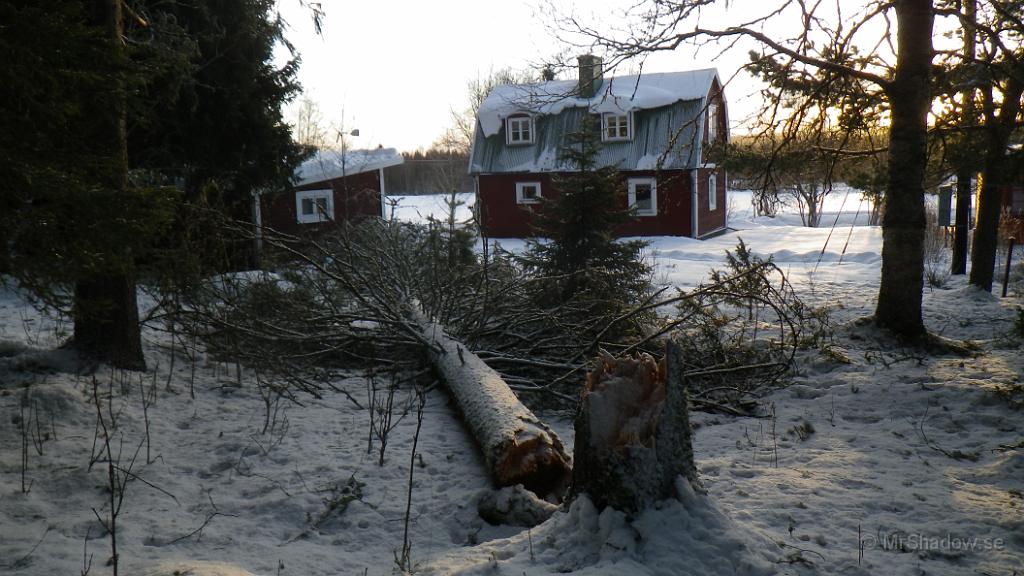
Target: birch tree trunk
<point>633,435</point>
<point>518,448</point>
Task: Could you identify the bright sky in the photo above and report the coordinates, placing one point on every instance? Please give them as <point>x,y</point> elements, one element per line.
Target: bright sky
<point>394,69</point>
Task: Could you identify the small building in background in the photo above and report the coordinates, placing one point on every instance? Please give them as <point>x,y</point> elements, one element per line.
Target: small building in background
<point>1013,210</point>
<point>1013,196</point>
<point>656,129</point>
<point>332,186</point>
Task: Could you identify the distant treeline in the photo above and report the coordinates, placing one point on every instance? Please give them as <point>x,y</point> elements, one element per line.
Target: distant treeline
<point>429,172</point>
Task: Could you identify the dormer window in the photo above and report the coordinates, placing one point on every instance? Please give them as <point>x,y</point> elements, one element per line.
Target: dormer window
<point>616,127</point>
<point>519,130</point>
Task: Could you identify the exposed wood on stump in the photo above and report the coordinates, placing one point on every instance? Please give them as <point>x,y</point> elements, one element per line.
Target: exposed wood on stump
<point>518,448</point>
<point>633,432</point>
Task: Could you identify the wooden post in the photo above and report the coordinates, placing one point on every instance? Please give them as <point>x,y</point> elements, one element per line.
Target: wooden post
<point>1009,258</point>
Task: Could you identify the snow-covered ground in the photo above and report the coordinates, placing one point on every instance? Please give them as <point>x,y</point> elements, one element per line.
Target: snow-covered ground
<point>419,208</point>
<point>896,463</point>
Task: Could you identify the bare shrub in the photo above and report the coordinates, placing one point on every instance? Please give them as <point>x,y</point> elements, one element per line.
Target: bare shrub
<point>936,251</point>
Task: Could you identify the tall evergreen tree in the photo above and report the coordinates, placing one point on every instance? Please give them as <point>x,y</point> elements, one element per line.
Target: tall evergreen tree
<point>73,221</point>
<point>223,134</point>
<point>580,254</point>
<point>187,91</point>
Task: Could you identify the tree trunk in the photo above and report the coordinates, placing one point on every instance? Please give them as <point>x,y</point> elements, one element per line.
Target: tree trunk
<point>994,176</point>
<point>105,310</point>
<point>961,228</point>
<point>903,223</point>
<point>106,317</point>
<point>962,224</point>
<point>518,448</point>
<point>633,435</point>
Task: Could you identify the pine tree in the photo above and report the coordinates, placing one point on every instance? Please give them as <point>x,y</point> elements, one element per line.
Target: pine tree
<point>577,250</point>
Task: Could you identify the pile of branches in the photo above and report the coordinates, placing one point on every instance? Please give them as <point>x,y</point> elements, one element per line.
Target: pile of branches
<point>343,301</point>
<point>741,331</point>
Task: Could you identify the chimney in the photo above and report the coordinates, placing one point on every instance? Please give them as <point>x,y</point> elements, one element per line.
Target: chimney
<point>591,72</point>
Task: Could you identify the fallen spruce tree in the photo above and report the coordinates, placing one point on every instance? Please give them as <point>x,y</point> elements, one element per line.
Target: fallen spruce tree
<point>344,301</point>
<point>517,447</point>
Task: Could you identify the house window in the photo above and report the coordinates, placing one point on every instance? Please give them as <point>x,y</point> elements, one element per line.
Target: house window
<point>519,130</point>
<point>1018,200</point>
<point>643,196</point>
<point>712,192</point>
<point>527,192</point>
<point>314,206</point>
<point>616,127</point>
<point>712,123</point>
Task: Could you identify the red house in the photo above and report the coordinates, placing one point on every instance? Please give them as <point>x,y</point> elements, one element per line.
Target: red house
<point>656,129</point>
<point>331,186</point>
<point>1013,193</point>
<point>1013,204</point>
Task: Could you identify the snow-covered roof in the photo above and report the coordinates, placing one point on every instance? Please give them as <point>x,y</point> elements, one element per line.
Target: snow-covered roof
<point>615,94</point>
<point>331,164</point>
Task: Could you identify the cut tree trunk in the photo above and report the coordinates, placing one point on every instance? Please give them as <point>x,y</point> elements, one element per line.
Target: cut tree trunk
<point>518,448</point>
<point>633,434</point>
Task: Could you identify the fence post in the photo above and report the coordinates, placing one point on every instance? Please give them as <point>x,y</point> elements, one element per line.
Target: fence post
<point>1009,257</point>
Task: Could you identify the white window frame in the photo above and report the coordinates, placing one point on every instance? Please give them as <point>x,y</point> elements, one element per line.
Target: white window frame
<point>712,123</point>
<point>653,183</point>
<point>314,195</point>
<point>620,121</point>
<point>514,130</point>
<point>523,199</point>
<point>712,192</point>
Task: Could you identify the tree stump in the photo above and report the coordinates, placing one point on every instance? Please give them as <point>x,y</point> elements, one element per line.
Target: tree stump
<point>633,434</point>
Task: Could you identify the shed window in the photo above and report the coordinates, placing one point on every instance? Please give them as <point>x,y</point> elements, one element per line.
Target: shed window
<point>616,127</point>
<point>643,196</point>
<point>519,130</point>
<point>314,206</point>
<point>712,192</point>
<point>527,192</point>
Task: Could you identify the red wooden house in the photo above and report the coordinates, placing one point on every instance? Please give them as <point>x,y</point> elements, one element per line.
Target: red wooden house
<point>331,186</point>
<point>656,129</point>
<point>1013,194</point>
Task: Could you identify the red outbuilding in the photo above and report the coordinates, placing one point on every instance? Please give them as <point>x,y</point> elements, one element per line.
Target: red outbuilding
<point>333,185</point>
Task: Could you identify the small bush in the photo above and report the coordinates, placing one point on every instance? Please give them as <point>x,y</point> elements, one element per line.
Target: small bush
<point>936,252</point>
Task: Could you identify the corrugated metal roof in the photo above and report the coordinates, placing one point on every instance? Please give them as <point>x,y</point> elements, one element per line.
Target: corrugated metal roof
<point>666,137</point>
<point>614,94</point>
